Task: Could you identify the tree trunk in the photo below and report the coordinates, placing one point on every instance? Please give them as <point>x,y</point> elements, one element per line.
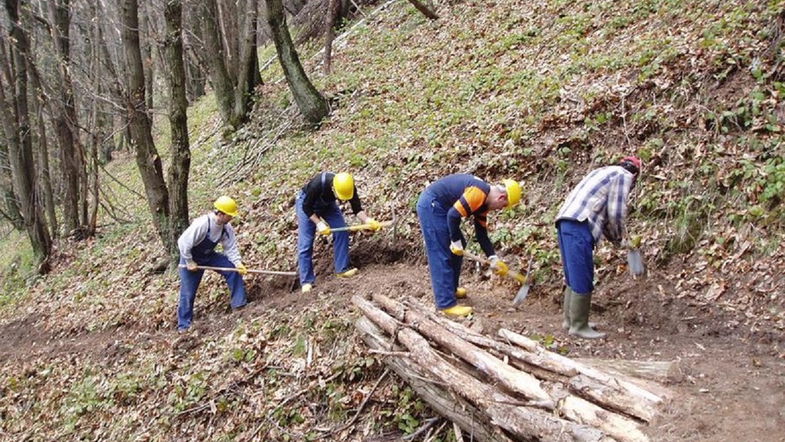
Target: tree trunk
<point>65,116</point>
<point>219,76</point>
<point>10,211</point>
<point>247,67</point>
<point>147,159</point>
<point>20,146</point>
<point>329,33</point>
<point>178,105</point>
<point>45,181</point>
<point>311,103</point>
<point>424,9</point>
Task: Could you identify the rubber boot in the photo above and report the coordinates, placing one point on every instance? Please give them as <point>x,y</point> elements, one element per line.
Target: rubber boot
<point>579,317</point>
<point>457,310</point>
<point>461,293</point>
<point>566,307</point>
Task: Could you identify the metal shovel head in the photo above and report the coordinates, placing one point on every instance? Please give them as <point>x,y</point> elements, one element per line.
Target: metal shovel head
<point>523,292</point>
<point>635,262</point>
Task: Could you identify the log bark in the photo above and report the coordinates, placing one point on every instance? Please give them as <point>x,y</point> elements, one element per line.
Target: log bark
<point>627,397</point>
<point>492,366</point>
<point>504,410</point>
<point>449,405</point>
<point>659,371</point>
<point>575,408</point>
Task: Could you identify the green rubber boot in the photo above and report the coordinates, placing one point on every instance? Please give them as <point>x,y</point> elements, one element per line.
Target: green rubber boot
<point>579,317</point>
<point>566,307</point>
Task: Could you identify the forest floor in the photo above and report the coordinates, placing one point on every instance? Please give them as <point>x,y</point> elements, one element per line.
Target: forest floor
<point>728,385</point>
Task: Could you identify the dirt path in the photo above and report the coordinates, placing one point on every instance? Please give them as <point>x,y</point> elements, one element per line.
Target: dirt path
<point>731,388</point>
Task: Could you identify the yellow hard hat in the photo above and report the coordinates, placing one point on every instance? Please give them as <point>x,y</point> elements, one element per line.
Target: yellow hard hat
<point>226,205</point>
<point>513,189</point>
<point>343,186</point>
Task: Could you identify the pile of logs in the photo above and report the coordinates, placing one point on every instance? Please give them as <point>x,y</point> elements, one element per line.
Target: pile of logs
<point>504,388</point>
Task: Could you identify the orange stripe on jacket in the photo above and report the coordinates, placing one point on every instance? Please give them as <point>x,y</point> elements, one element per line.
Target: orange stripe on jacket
<point>472,199</point>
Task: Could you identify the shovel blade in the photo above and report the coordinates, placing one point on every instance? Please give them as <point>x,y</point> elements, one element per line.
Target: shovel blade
<point>635,262</point>
<point>523,292</point>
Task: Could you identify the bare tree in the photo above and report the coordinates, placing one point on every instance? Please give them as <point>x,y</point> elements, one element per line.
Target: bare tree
<point>147,159</point>
<point>65,121</point>
<point>333,9</point>
<point>16,125</point>
<point>233,65</point>
<point>181,153</point>
<point>311,103</point>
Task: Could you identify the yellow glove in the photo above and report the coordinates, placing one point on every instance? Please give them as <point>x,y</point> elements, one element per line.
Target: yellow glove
<point>323,228</point>
<point>241,269</point>
<point>190,265</point>
<point>499,267</point>
<point>375,225</point>
<point>635,241</point>
<point>456,247</point>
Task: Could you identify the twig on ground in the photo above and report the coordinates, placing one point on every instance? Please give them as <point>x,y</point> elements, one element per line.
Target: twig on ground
<point>427,425</point>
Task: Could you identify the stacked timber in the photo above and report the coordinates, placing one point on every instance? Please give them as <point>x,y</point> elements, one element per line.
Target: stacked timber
<point>506,387</point>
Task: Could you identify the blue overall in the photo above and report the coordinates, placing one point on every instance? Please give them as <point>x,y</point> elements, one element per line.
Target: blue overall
<point>576,245</point>
<point>445,266</point>
<point>306,231</point>
<point>204,254</point>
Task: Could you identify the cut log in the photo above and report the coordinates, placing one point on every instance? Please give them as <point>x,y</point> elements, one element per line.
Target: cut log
<point>582,411</point>
<point>610,396</point>
<point>503,410</point>
<point>531,359</point>
<point>627,397</point>
<point>665,372</point>
<point>515,380</point>
<point>451,406</point>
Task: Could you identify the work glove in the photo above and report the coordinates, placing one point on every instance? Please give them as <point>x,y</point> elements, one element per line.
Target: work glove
<point>190,265</point>
<point>241,269</point>
<point>456,247</point>
<point>498,266</point>
<point>374,225</point>
<point>323,228</point>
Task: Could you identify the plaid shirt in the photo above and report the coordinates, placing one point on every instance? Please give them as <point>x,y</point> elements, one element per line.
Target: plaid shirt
<point>601,199</point>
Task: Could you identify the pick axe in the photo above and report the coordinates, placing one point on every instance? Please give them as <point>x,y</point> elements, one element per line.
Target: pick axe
<point>523,292</point>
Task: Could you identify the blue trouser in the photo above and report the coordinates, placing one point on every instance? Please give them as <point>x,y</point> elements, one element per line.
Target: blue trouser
<point>306,230</point>
<point>576,245</point>
<point>445,267</point>
<point>189,282</point>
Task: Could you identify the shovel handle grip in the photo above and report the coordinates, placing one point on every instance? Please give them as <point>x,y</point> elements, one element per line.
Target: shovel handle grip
<point>358,227</point>
<point>511,273</point>
<point>233,269</point>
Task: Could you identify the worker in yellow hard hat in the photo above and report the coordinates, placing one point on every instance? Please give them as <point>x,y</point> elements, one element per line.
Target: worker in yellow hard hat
<point>440,209</point>
<point>317,211</point>
<point>197,248</point>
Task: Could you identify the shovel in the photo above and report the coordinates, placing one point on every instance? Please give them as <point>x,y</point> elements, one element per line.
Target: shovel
<point>232,269</point>
<point>634,258</point>
<point>523,292</point>
<point>358,227</point>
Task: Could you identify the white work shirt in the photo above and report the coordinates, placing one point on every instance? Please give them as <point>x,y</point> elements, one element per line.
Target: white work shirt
<point>197,232</point>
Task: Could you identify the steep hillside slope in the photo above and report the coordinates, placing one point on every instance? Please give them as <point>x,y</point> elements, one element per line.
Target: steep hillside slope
<point>541,91</point>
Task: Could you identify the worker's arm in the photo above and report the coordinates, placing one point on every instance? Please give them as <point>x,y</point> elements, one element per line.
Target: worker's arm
<point>481,233</point>
<point>471,199</point>
<point>312,192</point>
<point>357,207</point>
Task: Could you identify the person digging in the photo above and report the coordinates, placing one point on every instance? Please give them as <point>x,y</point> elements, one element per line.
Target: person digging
<point>197,248</point>
<point>318,212</point>
<point>440,209</point>
<point>595,208</point>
